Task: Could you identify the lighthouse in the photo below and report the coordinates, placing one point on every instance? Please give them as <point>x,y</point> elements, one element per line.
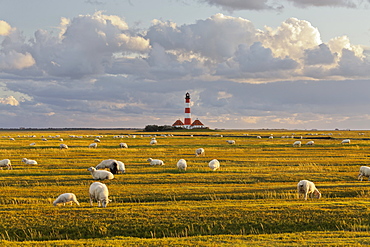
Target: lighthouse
<point>187,119</point>
<point>187,124</point>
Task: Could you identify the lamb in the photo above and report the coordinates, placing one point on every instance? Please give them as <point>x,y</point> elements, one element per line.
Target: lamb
<point>297,144</point>
<point>182,165</point>
<point>63,146</point>
<point>153,141</point>
<point>214,164</point>
<point>123,145</point>
<point>310,143</point>
<point>93,145</point>
<point>6,163</point>
<point>154,162</point>
<point>29,162</point>
<point>100,193</point>
<point>100,174</point>
<point>199,151</point>
<point>230,141</point>
<point>346,141</point>
<point>66,198</point>
<point>364,172</point>
<point>305,187</point>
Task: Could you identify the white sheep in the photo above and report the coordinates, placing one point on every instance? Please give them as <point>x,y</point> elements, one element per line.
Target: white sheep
<point>96,140</point>
<point>6,163</point>
<point>259,137</point>
<point>230,141</point>
<point>123,145</point>
<point>346,141</point>
<point>297,144</point>
<point>305,187</point>
<point>63,146</point>
<point>66,198</point>
<point>199,151</point>
<point>364,172</point>
<point>33,144</point>
<point>100,174</point>
<point>182,165</point>
<point>100,193</point>
<point>154,162</point>
<point>29,162</point>
<point>153,141</point>
<point>310,143</point>
<point>214,164</point>
<point>120,167</point>
<point>105,164</point>
<point>93,145</point>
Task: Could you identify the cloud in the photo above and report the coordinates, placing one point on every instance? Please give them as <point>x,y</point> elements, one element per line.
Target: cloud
<point>319,55</point>
<point>5,28</point>
<point>234,5</point>
<point>10,100</point>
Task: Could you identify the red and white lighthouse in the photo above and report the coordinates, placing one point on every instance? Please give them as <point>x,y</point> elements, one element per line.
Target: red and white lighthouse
<point>187,120</point>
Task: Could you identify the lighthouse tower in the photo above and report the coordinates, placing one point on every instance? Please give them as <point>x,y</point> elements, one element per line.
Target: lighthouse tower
<point>187,120</point>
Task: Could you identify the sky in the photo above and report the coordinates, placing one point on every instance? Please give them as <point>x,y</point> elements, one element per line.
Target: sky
<point>247,64</point>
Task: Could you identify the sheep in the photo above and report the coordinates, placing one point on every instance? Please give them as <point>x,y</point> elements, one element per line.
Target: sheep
<point>6,163</point>
<point>182,165</point>
<point>100,193</point>
<point>297,144</point>
<point>63,146</point>
<point>305,187</point>
<point>154,162</point>
<point>120,167</point>
<point>105,164</point>
<point>29,162</point>
<point>199,151</point>
<point>259,137</point>
<point>230,141</point>
<point>33,144</point>
<point>346,141</point>
<point>123,145</point>
<point>153,141</point>
<point>96,140</point>
<point>93,145</point>
<point>364,172</point>
<point>310,143</point>
<point>66,198</point>
<point>214,164</point>
<point>100,174</point>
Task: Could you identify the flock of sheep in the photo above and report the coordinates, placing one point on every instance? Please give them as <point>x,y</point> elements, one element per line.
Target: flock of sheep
<point>99,191</point>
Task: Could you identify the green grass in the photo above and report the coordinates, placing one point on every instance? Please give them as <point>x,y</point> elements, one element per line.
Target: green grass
<point>250,201</point>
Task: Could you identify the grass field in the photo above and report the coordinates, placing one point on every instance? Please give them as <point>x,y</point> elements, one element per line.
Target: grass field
<point>250,201</point>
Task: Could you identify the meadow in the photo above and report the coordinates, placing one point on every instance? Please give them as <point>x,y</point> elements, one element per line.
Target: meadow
<point>250,201</point>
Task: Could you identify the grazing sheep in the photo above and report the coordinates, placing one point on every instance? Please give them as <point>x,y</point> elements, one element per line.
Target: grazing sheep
<point>11,139</point>
<point>182,165</point>
<point>66,198</point>
<point>96,140</point>
<point>120,167</point>
<point>29,162</point>
<point>364,172</point>
<point>63,146</point>
<point>105,164</point>
<point>305,187</point>
<point>199,151</point>
<point>153,141</point>
<point>100,193</point>
<point>154,162</point>
<point>214,164</point>
<point>33,144</point>
<point>297,144</point>
<point>6,163</point>
<point>230,141</point>
<point>310,143</point>
<point>100,174</point>
<point>123,145</point>
<point>93,145</point>
<point>346,141</point>
<point>259,137</point>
